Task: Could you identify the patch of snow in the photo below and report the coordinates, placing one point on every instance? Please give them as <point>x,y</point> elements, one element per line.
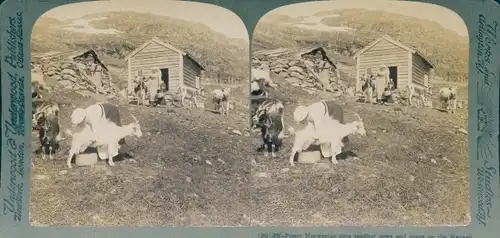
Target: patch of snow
<point>315,19</point>
<point>83,25</point>
<point>314,23</point>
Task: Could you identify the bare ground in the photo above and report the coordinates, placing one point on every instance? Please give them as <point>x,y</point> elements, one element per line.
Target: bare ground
<point>411,170</point>
<point>168,183</point>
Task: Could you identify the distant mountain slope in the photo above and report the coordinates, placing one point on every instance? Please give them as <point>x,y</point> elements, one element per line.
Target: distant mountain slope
<point>445,48</point>
<point>215,50</point>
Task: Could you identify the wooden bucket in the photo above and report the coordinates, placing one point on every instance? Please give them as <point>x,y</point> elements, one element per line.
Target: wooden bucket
<point>309,157</point>
<point>86,159</point>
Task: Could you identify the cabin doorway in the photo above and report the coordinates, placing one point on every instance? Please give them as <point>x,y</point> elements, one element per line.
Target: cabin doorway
<point>393,74</point>
<point>165,78</point>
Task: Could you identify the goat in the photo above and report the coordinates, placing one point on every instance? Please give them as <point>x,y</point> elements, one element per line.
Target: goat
<point>330,141</point>
<point>48,136</point>
<point>192,97</point>
<point>255,104</point>
<point>140,89</point>
<point>271,129</point>
<point>414,94</point>
<point>45,119</point>
<point>368,88</point>
<point>447,95</point>
<point>221,98</point>
<point>42,110</point>
<point>106,133</point>
<point>269,118</point>
<point>420,95</point>
<point>264,76</point>
<point>268,107</point>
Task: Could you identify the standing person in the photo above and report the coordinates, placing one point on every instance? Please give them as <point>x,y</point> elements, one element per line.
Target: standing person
<point>96,113</point>
<point>154,83</point>
<point>324,73</point>
<point>367,87</point>
<point>381,82</point>
<point>140,88</point>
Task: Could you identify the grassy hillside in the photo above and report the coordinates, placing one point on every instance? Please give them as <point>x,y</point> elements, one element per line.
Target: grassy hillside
<point>217,52</point>
<point>445,48</point>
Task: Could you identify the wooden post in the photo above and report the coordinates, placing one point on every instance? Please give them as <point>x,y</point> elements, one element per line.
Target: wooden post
<point>410,68</point>
<point>358,87</point>
<point>181,72</point>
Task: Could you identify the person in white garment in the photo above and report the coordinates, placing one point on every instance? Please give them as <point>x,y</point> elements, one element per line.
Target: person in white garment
<point>314,113</point>
<point>96,113</point>
<point>154,84</point>
<point>381,82</point>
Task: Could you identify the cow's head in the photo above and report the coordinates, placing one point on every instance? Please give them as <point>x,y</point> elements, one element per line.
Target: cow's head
<point>259,118</point>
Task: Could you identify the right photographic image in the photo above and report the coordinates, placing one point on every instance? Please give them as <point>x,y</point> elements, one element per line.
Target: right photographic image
<point>359,115</point>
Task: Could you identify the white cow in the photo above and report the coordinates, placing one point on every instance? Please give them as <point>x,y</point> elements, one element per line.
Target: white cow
<point>331,142</point>
<point>447,96</point>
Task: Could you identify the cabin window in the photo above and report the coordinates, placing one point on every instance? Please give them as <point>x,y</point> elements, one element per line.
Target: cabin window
<point>426,80</point>
<point>197,81</point>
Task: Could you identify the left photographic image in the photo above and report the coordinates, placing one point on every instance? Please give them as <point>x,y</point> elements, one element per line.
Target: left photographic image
<point>139,115</point>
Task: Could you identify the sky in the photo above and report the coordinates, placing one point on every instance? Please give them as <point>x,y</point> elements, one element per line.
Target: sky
<point>447,18</point>
<point>217,18</point>
<point>228,23</point>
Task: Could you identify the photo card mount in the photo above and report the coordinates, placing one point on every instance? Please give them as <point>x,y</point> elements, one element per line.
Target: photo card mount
<point>481,18</point>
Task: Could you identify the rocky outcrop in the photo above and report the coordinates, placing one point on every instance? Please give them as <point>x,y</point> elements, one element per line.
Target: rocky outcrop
<point>76,75</point>
<point>292,67</point>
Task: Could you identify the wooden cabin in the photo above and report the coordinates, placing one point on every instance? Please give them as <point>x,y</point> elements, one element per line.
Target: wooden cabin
<point>406,65</point>
<point>178,68</point>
